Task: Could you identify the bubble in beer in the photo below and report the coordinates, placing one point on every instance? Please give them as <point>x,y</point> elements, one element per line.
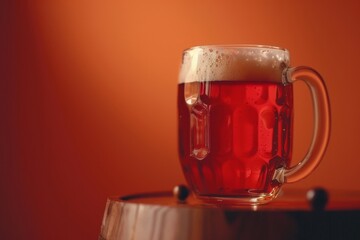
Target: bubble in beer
<point>264,53</point>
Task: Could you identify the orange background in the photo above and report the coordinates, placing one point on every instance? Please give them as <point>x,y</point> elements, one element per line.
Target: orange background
<point>88,98</point>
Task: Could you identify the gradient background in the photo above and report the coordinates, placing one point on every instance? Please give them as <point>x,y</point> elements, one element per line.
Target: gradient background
<point>88,98</point>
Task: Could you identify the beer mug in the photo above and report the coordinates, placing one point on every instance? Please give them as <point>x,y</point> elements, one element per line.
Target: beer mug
<point>235,122</point>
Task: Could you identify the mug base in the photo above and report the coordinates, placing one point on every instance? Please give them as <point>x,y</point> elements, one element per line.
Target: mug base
<point>250,199</point>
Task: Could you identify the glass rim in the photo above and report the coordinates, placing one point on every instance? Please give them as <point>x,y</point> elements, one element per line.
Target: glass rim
<point>237,46</point>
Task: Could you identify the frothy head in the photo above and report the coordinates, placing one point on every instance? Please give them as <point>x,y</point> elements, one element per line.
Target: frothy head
<point>233,63</point>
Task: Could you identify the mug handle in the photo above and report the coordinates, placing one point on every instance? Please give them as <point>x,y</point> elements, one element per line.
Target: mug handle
<point>322,124</point>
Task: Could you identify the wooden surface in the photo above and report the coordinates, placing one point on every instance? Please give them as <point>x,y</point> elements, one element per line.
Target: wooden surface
<point>159,215</point>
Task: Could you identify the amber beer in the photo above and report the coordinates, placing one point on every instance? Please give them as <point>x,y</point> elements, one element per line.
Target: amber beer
<point>234,135</point>
<point>235,122</point>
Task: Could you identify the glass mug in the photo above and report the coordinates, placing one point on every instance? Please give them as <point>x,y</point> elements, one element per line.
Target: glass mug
<point>235,122</point>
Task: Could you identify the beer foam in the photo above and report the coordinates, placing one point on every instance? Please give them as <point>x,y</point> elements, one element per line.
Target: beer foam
<point>233,63</point>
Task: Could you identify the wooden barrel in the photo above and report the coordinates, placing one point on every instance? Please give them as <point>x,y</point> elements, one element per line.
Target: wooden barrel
<point>160,216</point>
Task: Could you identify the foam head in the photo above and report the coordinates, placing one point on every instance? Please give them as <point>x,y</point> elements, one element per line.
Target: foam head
<point>233,63</point>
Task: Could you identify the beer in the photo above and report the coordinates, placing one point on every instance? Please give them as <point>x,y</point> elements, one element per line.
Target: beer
<point>233,135</point>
